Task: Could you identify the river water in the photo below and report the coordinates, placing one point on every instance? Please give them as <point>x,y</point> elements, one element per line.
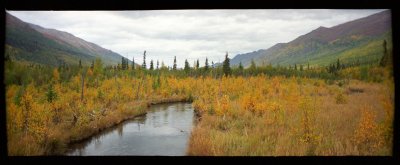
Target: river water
<point>164,131</point>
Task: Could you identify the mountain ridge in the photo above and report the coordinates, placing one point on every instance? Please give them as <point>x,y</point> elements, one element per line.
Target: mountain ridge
<point>323,42</point>
<point>34,43</point>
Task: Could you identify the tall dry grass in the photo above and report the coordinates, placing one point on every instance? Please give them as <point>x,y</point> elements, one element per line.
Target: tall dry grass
<point>295,117</point>
<point>257,115</point>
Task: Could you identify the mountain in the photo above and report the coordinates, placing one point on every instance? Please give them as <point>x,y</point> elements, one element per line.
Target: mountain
<point>359,39</point>
<point>33,43</point>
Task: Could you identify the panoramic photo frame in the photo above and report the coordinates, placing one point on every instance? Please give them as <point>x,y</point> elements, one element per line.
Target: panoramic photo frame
<point>221,82</point>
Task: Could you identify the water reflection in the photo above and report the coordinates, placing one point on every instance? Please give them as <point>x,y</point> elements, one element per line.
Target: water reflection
<point>97,142</point>
<point>164,130</point>
<point>165,117</point>
<point>120,129</point>
<point>164,107</point>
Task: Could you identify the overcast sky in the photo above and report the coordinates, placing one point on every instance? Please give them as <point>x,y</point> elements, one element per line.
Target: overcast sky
<point>188,34</point>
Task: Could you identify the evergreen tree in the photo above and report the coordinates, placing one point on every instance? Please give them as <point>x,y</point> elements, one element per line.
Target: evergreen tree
<point>252,65</point>
<point>337,65</point>
<point>123,63</point>
<point>226,66</point>
<point>384,60</point>
<point>240,65</point>
<point>80,63</point>
<point>144,60</point>
<point>187,66</point>
<point>174,66</point>
<point>295,67</point>
<point>212,64</point>
<point>51,94</point>
<point>329,68</point>
<point>197,64</point>
<point>206,64</point>
<point>151,65</point>
<point>157,64</point>
<point>332,68</point>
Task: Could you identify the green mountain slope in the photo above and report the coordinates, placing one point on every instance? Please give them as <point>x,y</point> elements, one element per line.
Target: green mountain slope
<point>360,39</point>
<point>34,44</point>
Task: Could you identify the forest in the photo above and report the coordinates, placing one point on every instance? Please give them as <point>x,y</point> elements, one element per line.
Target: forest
<point>339,109</point>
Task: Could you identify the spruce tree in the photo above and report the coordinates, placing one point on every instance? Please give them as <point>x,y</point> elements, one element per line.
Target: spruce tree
<point>337,65</point>
<point>226,66</point>
<point>51,94</point>
<point>151,65</point>
<point>80,63</point>
<point>385,58</point>
<point>157,64</point>
<point>123,63</point>
<point>187,66</point>
<point>144,60</point>
<point>240,66</point>
<point>252,65</point>
<point>174,66</point>
<point>206,64</point>
<point>197,64</point>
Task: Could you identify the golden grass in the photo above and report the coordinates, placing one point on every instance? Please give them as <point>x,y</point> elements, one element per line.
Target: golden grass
<point>257,115</point>
<point>304,119</point>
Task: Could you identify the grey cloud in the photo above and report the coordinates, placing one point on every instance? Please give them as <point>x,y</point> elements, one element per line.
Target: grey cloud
<point>190,34</point>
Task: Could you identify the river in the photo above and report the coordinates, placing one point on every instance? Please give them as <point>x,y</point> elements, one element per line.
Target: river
<point>164,131</point>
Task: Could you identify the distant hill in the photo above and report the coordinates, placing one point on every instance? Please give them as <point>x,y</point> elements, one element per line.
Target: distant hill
<point>354,40</point>
<point>33,43</point>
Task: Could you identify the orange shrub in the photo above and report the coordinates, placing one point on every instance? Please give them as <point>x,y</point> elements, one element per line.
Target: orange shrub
<point>367,136</point>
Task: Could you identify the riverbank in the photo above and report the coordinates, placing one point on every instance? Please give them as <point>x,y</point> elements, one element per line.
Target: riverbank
<point>60,137</point>
<point>104,123</point>
<point>258,115</point>
<point>164,130</point>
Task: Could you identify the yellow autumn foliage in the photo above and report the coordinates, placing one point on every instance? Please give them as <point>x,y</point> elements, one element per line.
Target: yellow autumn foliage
<point>261,112</point>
